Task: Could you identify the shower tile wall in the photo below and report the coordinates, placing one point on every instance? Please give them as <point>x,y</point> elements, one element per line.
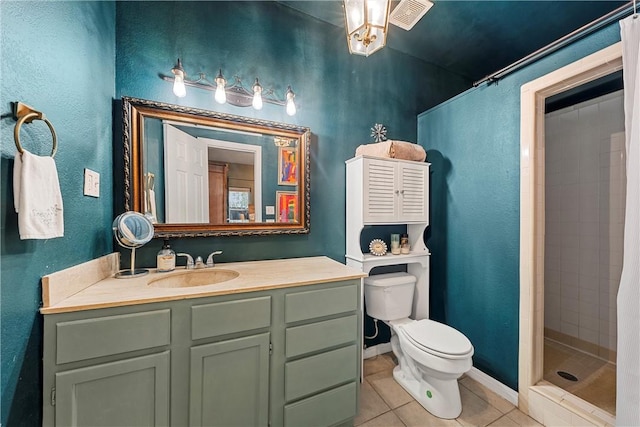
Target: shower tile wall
<point>584,221</point>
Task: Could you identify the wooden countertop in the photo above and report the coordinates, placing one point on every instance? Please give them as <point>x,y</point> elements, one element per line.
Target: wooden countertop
<point>253,276</point>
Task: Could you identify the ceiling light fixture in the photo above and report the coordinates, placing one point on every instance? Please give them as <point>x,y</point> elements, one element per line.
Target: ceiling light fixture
<point>234,94</point>
<point>366,22</point>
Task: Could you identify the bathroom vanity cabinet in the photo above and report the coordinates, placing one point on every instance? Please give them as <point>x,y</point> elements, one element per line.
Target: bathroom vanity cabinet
<point>389,192</point>
<point>280,357</point>
<point>103,366</point>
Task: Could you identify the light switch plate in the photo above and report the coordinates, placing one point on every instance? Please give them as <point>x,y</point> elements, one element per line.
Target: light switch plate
<point>91,183</point>
<point>270,210</point>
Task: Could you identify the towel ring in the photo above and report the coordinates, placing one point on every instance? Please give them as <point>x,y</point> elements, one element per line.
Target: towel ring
<point>25,114</point>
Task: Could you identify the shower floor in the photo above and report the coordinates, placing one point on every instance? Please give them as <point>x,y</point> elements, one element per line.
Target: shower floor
<point>596,377</point>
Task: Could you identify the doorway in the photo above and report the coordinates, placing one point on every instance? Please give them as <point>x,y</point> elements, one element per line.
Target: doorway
<point>541,399</point>
<point>584,186</point>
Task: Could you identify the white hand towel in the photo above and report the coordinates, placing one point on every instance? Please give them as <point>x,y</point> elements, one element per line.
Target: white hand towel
<point>152,211</point>
<point>36,197</point>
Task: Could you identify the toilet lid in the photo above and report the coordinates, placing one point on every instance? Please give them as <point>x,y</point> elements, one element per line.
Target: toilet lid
<point>437,337</point>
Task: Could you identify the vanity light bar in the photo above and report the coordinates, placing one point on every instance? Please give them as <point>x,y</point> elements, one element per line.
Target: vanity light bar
<point>235,94</point>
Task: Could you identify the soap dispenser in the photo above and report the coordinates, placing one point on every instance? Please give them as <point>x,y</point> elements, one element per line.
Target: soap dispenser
<point>166,260</point>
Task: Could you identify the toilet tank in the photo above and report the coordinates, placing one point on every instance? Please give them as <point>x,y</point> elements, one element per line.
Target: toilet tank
<point>389,296</point>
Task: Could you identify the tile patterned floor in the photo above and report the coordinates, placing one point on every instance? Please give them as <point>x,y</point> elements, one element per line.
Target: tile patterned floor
<point>384,403</point>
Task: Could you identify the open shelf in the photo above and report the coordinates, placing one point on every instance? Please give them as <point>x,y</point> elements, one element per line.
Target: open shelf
<point>390,259</point>
<point>390,192</point>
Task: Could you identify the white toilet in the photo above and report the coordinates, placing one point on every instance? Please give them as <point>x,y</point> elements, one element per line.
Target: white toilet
<point>431,355</point>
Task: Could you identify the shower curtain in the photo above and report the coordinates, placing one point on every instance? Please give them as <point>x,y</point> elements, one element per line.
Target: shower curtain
<point>628,363</point>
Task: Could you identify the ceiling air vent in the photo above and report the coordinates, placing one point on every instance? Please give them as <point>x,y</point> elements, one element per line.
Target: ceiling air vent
<point>408,12</point>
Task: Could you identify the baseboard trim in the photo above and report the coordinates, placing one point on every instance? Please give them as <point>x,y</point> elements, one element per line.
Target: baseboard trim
<point>494,385</point>
<point>375,350</point>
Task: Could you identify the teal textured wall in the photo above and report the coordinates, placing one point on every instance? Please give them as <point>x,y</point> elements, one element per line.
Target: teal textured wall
<point>59,58</point>
<point>473,143</point>
<point>339,96</point>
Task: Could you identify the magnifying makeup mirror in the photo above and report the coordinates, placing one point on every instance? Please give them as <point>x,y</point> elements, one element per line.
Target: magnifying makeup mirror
<point>132,230</point>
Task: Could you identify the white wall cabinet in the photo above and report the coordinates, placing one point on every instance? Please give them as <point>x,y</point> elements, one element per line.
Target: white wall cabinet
<point>392,191</point>
<point>387,192</point>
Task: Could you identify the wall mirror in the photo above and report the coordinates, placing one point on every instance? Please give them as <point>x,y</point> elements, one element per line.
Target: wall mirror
<point>196,172</point>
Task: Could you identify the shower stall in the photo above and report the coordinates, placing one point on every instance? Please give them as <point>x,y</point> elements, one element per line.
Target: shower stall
<point>584,203</point>
<point>568,274</point>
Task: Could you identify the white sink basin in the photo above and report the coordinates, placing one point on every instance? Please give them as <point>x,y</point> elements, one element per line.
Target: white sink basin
<point>192,278</point>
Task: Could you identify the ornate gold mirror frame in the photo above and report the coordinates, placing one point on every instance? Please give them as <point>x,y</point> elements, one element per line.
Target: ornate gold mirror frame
<point>136,111</point>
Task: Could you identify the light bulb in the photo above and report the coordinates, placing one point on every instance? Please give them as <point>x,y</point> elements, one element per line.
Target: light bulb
<point>179,89</point>
<point>178,82</point>
<point>291,106</point>
<point>257,101</point>
<point>221,94</point>
<point>257,95</point>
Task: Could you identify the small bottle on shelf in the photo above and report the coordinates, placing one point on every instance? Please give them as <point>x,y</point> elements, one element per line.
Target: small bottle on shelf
<point>404,244</point>
<point>166,259</point>
<point>395,244</point>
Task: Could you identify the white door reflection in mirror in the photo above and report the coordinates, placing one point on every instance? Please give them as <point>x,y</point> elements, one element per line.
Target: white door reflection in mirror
<point>186,177</point>
<point>199,173</point>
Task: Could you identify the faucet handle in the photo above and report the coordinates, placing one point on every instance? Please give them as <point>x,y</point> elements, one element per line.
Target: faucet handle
<point>190,264</point>
<point>210,262</point>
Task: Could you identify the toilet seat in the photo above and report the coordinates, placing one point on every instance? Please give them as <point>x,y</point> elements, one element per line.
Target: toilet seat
<point>437,338</point>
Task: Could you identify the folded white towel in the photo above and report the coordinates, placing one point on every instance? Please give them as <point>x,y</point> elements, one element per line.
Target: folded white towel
<point>393,150</point>
<point>36,197</point>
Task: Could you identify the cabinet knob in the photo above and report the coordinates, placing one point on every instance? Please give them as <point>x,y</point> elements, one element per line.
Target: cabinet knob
<point>397,191</point>
<point>402,192</point>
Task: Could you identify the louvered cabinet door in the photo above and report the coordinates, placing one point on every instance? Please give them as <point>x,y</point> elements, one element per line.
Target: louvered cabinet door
<point>380,192</point>
<point>395,192</point>
<point>413,196</point>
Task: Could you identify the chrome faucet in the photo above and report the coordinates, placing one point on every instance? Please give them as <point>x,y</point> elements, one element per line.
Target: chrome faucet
<point>199,263</point>
<point>210,262</point>
<point>190,264</point>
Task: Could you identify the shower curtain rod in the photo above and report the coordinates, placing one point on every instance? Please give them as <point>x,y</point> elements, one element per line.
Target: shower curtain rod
<point>585,30</point>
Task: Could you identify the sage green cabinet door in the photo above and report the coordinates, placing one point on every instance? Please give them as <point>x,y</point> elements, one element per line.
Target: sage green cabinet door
<point>230,383</point>
<point>130,392</point>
